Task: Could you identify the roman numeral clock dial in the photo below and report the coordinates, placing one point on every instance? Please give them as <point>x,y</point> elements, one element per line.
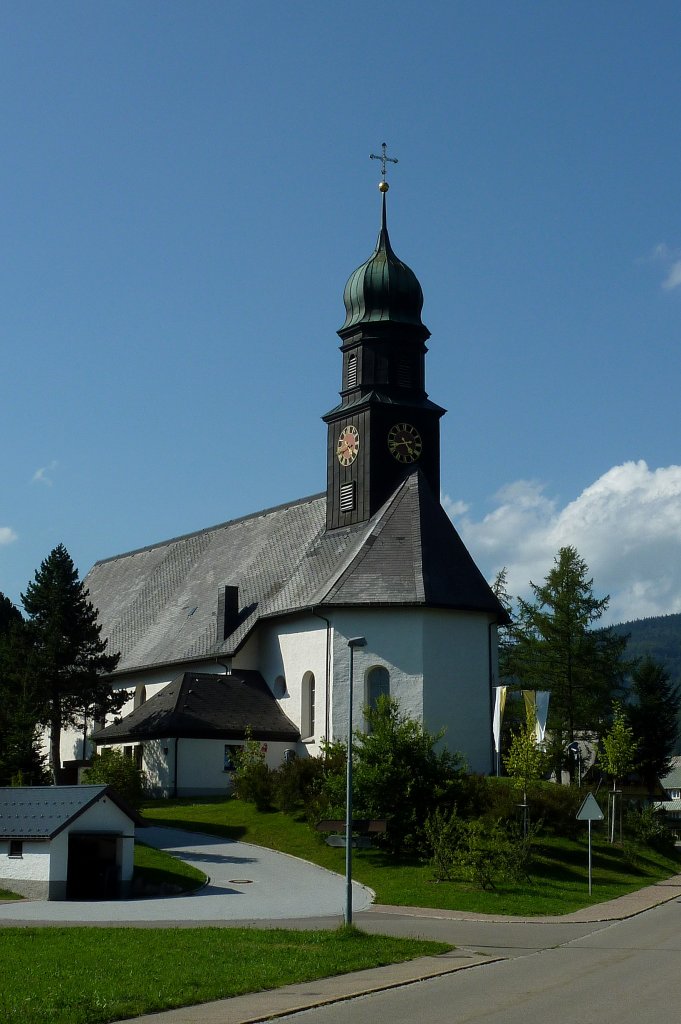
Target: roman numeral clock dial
<point>404,443</point>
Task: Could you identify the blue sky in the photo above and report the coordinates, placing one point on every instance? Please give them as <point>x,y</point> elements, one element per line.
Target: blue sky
<point>185,188</point>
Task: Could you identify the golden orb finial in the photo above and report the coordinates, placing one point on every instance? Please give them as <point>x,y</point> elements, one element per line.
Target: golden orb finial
<point>383,186</point>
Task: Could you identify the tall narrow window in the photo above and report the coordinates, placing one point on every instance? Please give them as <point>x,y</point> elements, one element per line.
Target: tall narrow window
<point>352,371</point>
<point>377,685</point>
<point>308,709</point>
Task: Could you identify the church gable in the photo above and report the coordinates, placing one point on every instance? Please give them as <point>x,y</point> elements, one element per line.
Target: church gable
<point>415,556</point>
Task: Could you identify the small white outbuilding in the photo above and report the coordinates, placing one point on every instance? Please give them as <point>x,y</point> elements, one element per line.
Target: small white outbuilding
<point>66,842</point>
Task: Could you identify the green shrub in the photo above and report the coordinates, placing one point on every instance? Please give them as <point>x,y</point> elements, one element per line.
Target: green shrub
<point>483,850</point>
<point>401,773</point>
<point>647,825</point>
<point>113,768</point>
<point>442,831</point>
<point>298,782</point>
<point>557,806</point>
<point>253,780</point>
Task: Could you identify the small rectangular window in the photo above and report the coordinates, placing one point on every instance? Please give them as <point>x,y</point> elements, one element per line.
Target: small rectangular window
<point>231,752</point>
<point>347,496</point>
<point>16,848</point>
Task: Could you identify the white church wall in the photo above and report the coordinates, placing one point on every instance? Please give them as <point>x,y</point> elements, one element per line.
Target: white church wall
<point>439,667</point>
<point>394,640</point>
<point>296,649</point>
<point>456,665</point>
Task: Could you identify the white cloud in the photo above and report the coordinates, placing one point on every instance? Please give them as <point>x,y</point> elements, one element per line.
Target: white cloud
<point>671,260</point>
<point>626,526</point>
<point>673,278</point>
<point>43,475</point>
<point>7,535</point>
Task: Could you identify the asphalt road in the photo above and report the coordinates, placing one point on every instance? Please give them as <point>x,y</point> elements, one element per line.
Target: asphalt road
<point>625,972</point>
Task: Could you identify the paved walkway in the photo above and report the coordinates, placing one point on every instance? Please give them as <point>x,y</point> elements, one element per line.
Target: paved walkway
<point>245,883</point>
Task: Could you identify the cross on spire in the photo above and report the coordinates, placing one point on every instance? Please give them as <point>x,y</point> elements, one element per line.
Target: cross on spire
<point>384,158</point>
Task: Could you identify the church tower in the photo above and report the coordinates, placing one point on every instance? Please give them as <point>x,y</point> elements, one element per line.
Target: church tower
<point>385,427</point>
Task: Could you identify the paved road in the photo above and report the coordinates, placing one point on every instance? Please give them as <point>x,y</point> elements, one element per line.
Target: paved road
<point>626,972</point>
<point>246,883</point>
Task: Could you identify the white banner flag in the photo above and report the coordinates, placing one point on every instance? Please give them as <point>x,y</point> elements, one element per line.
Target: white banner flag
<point>499,705</point>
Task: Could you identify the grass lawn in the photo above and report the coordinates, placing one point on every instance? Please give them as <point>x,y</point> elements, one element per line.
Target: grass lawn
<point>160,870</point>
<point>94,975</point>
<point>5,894</point>
<point>559,882</point>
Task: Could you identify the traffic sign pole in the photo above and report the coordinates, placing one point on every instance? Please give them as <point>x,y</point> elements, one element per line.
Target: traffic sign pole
<point>589,811</point>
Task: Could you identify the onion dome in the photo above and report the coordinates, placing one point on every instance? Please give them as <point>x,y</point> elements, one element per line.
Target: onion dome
<point>384,289</point>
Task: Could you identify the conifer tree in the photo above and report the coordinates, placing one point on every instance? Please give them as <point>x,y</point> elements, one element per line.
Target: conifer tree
<point>557,648</point>
<point>19,756</point>
<point>654,719</point>
<point>68,658</point>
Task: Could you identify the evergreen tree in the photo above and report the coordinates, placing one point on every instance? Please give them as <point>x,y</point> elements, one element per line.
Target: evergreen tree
<point>68,658</point>
<point>507,634</point>
<point>400,773</point>
<point>654,719</point>
<point>20,758</point>
<point>556,648</point>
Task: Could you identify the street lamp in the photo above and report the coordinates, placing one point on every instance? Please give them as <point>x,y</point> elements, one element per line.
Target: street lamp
<point>356,641</point>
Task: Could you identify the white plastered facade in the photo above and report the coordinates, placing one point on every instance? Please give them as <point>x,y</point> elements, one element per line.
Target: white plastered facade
<point>41,870</point>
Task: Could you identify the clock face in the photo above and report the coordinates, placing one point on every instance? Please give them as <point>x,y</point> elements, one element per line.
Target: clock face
<point>404,442</point>
<point>348,445</point>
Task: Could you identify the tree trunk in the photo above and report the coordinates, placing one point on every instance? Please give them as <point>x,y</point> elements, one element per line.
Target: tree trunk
<point>55,744</point>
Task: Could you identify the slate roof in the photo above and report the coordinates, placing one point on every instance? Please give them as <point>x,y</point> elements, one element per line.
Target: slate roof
<point>42,812</point>
<point>673,779</point>
<point>159,605</point>
<point>206,706</point>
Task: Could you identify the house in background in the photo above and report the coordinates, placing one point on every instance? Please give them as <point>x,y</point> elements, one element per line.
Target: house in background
<point>262,607</point>
<point>66,842</point>
<point>671,804</point>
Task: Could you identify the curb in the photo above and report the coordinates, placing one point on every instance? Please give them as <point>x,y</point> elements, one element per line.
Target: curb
<point>260,1006</point>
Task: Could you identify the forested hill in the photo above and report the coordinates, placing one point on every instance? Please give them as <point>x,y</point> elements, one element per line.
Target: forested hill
<point>658,636</point>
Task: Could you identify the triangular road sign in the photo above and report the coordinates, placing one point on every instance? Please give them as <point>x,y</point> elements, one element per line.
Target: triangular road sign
<point>589,811</point>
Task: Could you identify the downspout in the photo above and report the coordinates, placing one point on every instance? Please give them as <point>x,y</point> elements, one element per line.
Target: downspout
<point>490,627</point>
<point>177,740</point>
<point>327,686</point>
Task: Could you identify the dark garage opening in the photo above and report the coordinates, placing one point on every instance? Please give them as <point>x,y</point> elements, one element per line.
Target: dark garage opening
<point>93,871</point>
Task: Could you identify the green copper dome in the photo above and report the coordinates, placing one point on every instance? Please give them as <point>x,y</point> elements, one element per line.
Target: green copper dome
<point>383,289</point>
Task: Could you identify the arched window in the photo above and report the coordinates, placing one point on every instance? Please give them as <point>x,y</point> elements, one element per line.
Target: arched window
<point>140,695</point>
<point>377,685</point>
<point>279,688</point>
<point>307,716</point>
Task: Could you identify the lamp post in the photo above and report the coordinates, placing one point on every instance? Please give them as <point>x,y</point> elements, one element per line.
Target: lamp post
<point>356,641</point>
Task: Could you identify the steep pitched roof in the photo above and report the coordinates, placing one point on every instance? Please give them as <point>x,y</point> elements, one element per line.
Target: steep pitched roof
<point>204,706</point>
<point>42,812</point>
<point>159,605</point>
